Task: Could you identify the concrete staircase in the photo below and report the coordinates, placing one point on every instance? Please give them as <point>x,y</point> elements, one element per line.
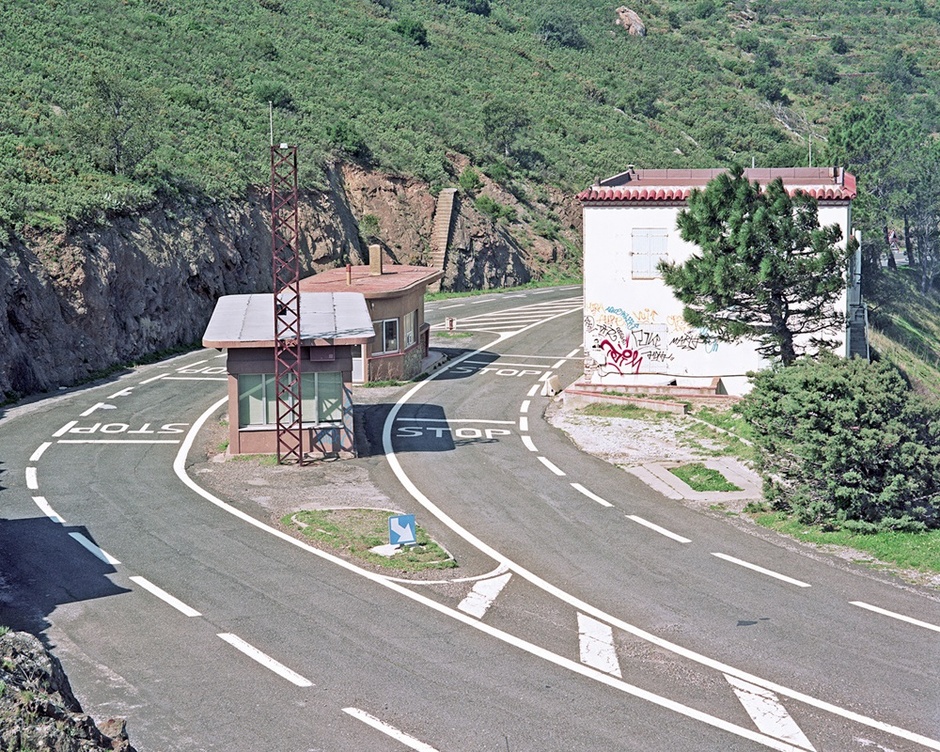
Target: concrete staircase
<point>440,233</point>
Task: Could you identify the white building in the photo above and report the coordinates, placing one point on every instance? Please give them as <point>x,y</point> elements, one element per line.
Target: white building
<point>634,332</point>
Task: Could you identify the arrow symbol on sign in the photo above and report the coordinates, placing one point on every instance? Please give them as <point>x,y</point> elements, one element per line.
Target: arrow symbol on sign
<point>404,533</point>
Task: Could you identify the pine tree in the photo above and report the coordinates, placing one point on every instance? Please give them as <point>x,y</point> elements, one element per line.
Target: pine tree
<point>767,271</point>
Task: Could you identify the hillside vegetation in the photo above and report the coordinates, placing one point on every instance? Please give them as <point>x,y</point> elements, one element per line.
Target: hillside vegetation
<point>113,105</point>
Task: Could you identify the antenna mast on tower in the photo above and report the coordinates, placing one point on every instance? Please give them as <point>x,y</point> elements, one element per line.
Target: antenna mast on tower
<point>286,268</point>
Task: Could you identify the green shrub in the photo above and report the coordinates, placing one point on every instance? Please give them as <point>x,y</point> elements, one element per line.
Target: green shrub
<point>494,209</point>
<point>556,27</point>
<point>470,181</point>
<point>843,440</point>
<point>272,91</point>
<point>412,29</point>
<point>838,45</point>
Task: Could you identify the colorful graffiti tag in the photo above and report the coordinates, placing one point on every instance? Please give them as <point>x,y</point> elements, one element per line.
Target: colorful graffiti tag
<point>620,341</point>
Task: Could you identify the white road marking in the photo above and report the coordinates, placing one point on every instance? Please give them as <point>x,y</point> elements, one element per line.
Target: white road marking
<point>551,466</point>
<point>164,596</point>
<point>503,364</point>
<point>594,497</point>
<point>99,406</point>
<point>893,615</point>
<point>573,352</point>
<point>523,423</point>
<point>768,572</point>
<point>123,393</point>
<point>448,307</point>
<point>461,420</point>
<point>153,378</point>
<point>190,365</point>
<point>118,441</point>
<point>179,467</point>
<point>195,378</point>
<point>99,552</point>
<point>39,450</point>
<point>545,376</point>
<point>534,390</point>
<point>32,482</point>
<point>482,595</point>
<point>658,529</point>
<point>559,364</point>
<point>47,510</point>
<point>524,407</point>
<point>65,429</point>
<point>768,713</point>
<point>400,736</point>
<point>265,660</point>
<point>597,645</point>
<point>527,441</point>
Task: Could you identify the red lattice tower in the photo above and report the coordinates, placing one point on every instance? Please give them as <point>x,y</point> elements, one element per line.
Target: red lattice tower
<point>286,266</point>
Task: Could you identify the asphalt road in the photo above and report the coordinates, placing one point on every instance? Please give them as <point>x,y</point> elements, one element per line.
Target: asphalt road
<point>597,614</point>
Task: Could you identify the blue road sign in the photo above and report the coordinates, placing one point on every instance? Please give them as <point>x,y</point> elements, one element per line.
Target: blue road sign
<point>401,530</point>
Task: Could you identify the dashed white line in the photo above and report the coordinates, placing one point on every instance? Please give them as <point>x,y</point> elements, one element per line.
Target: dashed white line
<point>47,510</point>
<point>195,378</point>
<point>658,529</point>
<point>457,420</point>
<point>524,407</point>
<point>190,365</point>
<point>65,429</point>
<point>448,307</point>
<point>545,376</point>
<point>98,406</point>
<point>523,423</point>
<point>39,451</point>
<point>534,390</point>
<point>482,595</point>
<point>123,393</point>
<point>378,725</point>
<point>573,352</point>
<point>32,482</point>
<point>768,572</point>
<point>893,615</point>
<point>768,713</point>
<point>164,596</point>
<point>265,660</point>
<point>594,497</point>
<point>529,444</point>
<point>96,550</point>
<point>558,364</point>
<point>551,466</point>
<point>597,645</point>
<point>153,378</point>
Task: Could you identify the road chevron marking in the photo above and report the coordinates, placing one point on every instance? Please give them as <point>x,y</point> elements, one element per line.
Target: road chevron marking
<point>597,645</point>
<point>388,730</point>
<point>481,597</point>
<point>768,713</point>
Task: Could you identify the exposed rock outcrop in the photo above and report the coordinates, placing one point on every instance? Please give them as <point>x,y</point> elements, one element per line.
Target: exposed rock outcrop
<point>79,303</point>
<point>38,709</point>
<point>630,21</point>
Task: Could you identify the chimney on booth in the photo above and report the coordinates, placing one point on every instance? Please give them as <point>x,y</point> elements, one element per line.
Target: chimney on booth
<point>375,260</point>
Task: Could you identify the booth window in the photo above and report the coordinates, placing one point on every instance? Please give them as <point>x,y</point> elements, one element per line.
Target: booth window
<point>648,249</point>
<point>386,336</point>
<point>321,395</point>
<point>409,324</point>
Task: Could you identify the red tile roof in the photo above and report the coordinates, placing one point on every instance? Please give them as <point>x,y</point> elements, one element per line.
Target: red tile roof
<point>822,183</point>
<point>395,280</point>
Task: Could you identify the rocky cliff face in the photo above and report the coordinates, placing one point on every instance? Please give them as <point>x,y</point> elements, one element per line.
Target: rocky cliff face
<point>78,304</point>
<point>38,709</point>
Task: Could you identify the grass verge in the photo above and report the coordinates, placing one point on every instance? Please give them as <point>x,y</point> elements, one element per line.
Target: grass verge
<point>915,551</point>
<point>700,478</point>
<point>353,532</point>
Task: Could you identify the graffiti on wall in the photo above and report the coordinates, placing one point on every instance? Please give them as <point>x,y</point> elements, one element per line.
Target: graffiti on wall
<point>622,341</point>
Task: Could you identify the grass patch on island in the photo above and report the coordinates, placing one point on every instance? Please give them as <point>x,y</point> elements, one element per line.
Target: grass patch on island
<point>700,478</point>
<point>353,532</point>
<point>624,410</point>
<point>914,551</point>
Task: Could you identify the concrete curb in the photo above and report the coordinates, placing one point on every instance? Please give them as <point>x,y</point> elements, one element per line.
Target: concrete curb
<point>657,476</point>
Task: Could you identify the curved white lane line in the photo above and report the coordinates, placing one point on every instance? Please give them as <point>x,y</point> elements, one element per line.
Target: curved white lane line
<point>500,569</point>
<point>179,467</point>
<point>594,611</point>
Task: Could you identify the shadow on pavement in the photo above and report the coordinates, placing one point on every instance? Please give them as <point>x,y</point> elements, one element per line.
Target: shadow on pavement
<point>42,567</point>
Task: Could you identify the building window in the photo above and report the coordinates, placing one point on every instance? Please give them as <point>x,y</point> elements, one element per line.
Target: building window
<point>648,249</point>
<point>386,337</point>
<point>410,325</point>
<point>321,395</point>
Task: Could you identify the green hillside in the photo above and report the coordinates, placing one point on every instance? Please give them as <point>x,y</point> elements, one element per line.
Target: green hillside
<point>113,104</point>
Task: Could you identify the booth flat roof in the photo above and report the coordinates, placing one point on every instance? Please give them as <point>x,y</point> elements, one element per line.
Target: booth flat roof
<point>326,318</point>
<point>394,280</point>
